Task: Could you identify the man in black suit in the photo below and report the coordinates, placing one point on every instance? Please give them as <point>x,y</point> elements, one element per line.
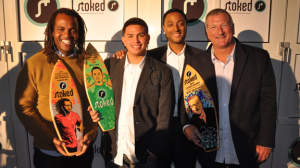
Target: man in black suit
<point>176,54</point>
<point>144,102</point>
<point>242,84</point>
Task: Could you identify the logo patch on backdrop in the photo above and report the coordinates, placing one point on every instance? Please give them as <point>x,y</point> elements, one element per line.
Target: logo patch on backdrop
<point>260,6</point>
<point>113,5</point>
<point>195,10</point>
<point>39,11</point>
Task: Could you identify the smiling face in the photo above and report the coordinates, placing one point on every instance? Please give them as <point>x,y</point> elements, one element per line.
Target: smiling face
<point>97,75</point>
<point>219,31</point>
<point>175,28</point>
<point>65,33</point>
<point>136,40</point>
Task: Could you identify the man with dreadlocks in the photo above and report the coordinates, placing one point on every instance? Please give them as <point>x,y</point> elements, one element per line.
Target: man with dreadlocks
<point>64,40</point>
<point>67,121</point>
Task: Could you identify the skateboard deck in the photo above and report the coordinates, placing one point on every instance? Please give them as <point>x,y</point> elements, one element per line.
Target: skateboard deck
<point>65,107</point>
<point>99,88</point>
<point>200,108</point>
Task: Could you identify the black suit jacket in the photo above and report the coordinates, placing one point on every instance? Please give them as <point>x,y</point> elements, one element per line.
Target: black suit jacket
<point>153,108</point>
<point>160,54</point>
<point>252,105</point>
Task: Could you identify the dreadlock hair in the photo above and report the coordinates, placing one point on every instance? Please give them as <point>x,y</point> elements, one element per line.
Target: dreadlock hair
<point>52,57</point>
<point>60,105</point>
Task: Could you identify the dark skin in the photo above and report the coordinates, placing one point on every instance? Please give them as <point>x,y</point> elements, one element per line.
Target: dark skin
<point>65,36</point>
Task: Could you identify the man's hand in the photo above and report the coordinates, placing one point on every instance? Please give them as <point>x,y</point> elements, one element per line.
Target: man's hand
<point>120,54</point>
<point>59,146</point>
<point>263,153</point>
<point>152,156</point>
<point>193,134</point>
<point>85,143</point>
<point>94,114</point>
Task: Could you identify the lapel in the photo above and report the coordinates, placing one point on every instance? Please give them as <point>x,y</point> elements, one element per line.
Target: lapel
<point>144,77</point>
<point>164,56</point>
<point>117,73</point>
<point>207,72</point>
<point>188,54</point>
<point>240,59</point>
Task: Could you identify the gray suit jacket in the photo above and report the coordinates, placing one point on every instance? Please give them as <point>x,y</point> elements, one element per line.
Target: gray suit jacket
<point>252,104</point>
<point>153,108</point>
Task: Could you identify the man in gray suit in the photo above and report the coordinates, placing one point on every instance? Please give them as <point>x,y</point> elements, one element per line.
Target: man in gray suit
<point>144,102</point>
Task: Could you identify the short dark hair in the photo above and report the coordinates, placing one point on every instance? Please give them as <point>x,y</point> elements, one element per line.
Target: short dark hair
<point>134,21</point>
<point>218,11</point>
<point>96,68</point>
<point>174,10</point>
<point>48,42</point>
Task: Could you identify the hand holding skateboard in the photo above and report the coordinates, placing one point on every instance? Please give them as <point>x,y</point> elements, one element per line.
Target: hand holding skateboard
<point>59,146</point>
<point>193,135</point>
<point>87,140</point>
<point>94,114</point>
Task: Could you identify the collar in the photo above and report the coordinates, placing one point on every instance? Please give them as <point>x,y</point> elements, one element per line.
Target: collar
<point>61,54</point>
<point>140,64</point>
<point>169,51</point>
<point>232,54</point>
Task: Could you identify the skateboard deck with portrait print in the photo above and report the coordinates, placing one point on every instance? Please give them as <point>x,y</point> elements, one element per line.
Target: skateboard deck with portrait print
<point>99,88</point>
<point>200,108</point>
<point>65,107</point>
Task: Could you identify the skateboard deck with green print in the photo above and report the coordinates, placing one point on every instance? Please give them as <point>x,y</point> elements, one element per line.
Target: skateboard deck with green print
<point>99,88</point>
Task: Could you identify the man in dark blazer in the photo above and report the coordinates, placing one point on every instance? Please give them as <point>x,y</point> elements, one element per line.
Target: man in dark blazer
<point>151,107</point>
<point>242,84</point>
<point>180,150</point>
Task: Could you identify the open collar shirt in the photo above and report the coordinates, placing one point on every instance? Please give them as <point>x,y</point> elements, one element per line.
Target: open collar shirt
<point>125,136</point>
<point>176,63</point>
<point>224,73</point>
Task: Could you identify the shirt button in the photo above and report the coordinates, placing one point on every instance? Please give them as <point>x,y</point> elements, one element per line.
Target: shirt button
<point>224,104</point>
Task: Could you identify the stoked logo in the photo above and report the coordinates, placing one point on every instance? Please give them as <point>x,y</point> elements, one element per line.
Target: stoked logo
<point>95,6</point>
<point>244,6</point>
<point>260,6</point>
<point>195,10</point>
<point>39,11</point>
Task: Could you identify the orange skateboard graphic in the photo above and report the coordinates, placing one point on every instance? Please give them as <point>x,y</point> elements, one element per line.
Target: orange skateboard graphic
<point>65,107</point>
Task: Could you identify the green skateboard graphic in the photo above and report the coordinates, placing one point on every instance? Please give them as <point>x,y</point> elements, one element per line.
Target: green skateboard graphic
<point>99,88</point>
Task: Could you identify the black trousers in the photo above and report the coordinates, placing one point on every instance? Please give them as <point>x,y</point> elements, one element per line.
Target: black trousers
<point>42,160</point>
<point>127,163</point>
<point>207,160</point>
<point>180,151</point>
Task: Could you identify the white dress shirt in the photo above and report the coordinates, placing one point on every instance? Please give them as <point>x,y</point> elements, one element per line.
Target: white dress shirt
<point>125,136</point>
<point>176,62</point>
<point>224,72</point>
